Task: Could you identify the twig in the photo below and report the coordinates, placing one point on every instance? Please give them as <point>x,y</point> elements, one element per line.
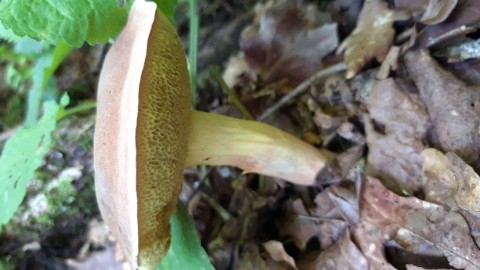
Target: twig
<point>302,87</point>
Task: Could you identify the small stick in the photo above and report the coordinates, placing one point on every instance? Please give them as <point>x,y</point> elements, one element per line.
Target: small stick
<point>302,87</point>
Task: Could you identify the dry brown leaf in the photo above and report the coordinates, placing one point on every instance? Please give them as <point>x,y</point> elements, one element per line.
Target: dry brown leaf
<point>413,267</point>
<point>450,181</point>
<point>372,37</point>
<point>301,226</point>
<point>250,258</point>
<point>277,252</point>
<point>394,156</point>
<point>414,223</point>
<point>460,22</point>
<point>437,11</point>
<point>342,255</point>
<point>287,41</point>
<point>467,70</point>
<point>453,106</point>
<point>370,239</point>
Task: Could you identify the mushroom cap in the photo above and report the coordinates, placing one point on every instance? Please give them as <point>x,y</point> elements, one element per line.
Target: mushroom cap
<point>141,134</point>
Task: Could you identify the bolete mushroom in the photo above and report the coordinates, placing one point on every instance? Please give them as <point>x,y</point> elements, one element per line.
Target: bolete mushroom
<point>146,133</point>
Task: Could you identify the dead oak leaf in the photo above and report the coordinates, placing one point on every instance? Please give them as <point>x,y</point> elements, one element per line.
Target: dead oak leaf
<point>412,223</point>
<point>372,37</point>
<point>301,226</point>
<point>394,151</point>
<point>450,181</point>
<point>277,252</point>
<point>287,41</point>
<point>342,255</point>
<point>453,105</point>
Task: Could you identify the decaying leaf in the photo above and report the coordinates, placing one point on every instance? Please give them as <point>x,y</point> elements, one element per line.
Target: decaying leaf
<point>437,11</point>
<point>461,21</point>
<point>301,226</point>
<point>342,255</point>
<point>453,106</point>
<point>277,252</point>
<point>394,156</point>
<point>372,37</point>
<point>414,223</point>
<point>370,240</point>
<point>450,181</point>
<point>288,41</point>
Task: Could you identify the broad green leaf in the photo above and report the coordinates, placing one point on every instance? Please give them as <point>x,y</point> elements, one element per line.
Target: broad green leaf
<point>22,155</point>
<point>167,7</point>
<point>71,20</point>
<point>185,249</point>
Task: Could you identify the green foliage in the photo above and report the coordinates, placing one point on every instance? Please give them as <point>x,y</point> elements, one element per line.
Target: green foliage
<point>70,20</point>
<point>42,74</point>
<point>185,249</point>
<point>167,7</point>
<point>22,155</point>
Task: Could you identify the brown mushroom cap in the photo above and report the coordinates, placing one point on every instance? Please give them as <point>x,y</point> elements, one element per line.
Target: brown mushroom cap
<point>143,116</point>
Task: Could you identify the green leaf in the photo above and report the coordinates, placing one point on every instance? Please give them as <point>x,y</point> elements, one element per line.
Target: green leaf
<point>185,249</point>
<point>22,155</point>
<point>42,73</point>
<point>71,20</point>
<point>167,7</point>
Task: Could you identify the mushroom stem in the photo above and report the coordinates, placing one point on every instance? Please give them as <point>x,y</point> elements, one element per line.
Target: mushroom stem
<point>252,146</point>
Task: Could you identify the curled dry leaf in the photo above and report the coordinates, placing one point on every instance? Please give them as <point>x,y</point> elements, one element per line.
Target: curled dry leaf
<point>370,239</point>
<point>437,11</point>
<point>460,22</point>
<point>453,106</point>
<point>287,41</point>
<point>394,156</point>
<point>342,255</point>
<point>450,181</point>
<point>372,37</point>
<point>277,252</point>
<point>301,226</point>
<point>413,223</point>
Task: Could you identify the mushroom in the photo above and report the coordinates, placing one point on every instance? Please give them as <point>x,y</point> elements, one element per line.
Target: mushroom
<point>146,133</point>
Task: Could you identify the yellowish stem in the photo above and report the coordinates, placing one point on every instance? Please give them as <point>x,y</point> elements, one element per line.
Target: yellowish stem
<point>252,146</point>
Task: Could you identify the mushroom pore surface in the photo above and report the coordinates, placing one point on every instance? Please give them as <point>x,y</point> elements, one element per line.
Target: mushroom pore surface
<point>143,116</point>
<point>161,139</point>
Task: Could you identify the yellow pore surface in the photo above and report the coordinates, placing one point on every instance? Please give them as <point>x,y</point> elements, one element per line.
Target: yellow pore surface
<point>161,138</point>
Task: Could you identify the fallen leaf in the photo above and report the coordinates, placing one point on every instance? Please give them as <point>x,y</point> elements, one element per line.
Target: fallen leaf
<point>411,5</point>
<point>277,252</point>
<point>460,22</point>
<point>450,181</point>
<point>370,240</point>
<point>467,71</point>
<point>394,152</point>
<point>301,226</point>
<point>453,106</point>
<point>342,255</point>
<point>250,258</point>
<point>372,37</point>
<point>414,223</point>
<point>437,11</point>
<point>287,41</point>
